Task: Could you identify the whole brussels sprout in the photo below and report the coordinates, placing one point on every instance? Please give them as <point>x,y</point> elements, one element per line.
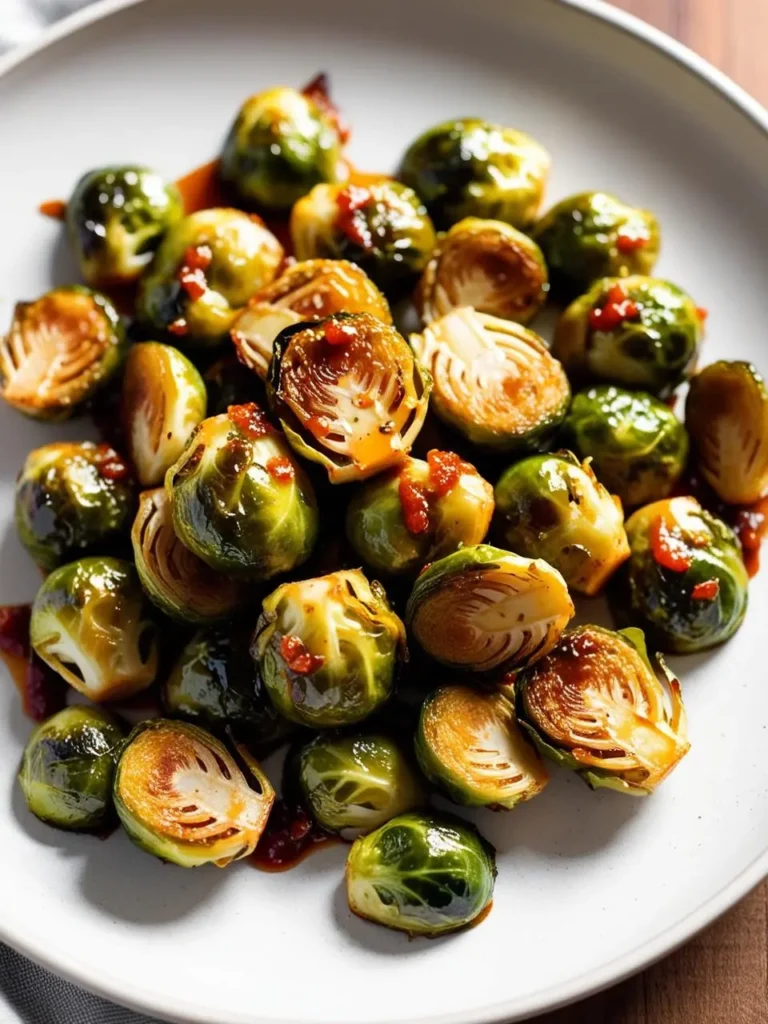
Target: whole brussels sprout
<point>91,624</point>
<point>595,705</point>
<point>68,765</point>
<point>471,168</point>
<point>60,349</point>
<point>239,500</point>
<point>72,499</point>
<point>183,796</point>
<point>116,217</point>
<point>493,380</point>
<point>425,874</point>
<point>228,382</point>
<point>637,446</point>
<point>328,649</point>
<point>553,507</point>
<point>685,581</point>
<point>593,235</point>
<point>483,609</point>
<point>637,331</point>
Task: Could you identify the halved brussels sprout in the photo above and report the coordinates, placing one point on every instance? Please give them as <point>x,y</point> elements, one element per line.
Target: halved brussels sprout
<point>68,765</point>
<point>116,217</point>
<point>488,265</point>
<point>91,624</point>
<point>484,609</point>
<point>493,380</point>
<point>726,413</point>
<point>419,511</point>
<point>349,394</point>
<point>637,331</point>
<point>637,446</point>
<point>685,581</point>
<point>469,743</point>
<point>239,499</point>
<point>328,649</point>
<point>425,874</point>
<point>228,382</point>
<point>471,168</point>
<point>59,350</point>
<point>309,290</point>
<point>164,398</point>
<point>184,797</point>
<point>72,499</point>
<point>595,705</point>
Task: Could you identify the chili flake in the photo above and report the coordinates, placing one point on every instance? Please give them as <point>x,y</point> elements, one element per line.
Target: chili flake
<point>617,307</point>
<point>250,420</point>
<point>298,658</point>
<point>706,591</point>
<point>280,468</point>
<point>628,243</point>
<point>668,548</point>
<point>339,333</point>
<point>415,505</point>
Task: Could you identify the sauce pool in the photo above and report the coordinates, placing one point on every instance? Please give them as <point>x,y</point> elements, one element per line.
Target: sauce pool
<point>290,836</point>
<point>42,692</point>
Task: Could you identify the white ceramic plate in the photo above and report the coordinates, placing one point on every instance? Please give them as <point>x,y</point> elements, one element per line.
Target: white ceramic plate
<point>591,886</point>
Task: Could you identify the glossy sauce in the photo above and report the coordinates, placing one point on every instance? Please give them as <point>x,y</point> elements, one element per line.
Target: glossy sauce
<point>289,837</point>
<point>42,692</point>
<point>749,522</point>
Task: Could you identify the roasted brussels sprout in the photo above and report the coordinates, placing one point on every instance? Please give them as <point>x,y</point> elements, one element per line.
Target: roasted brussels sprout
<point>349,394</point>
<point>470,168</point>
<point>726,413</point>
<point>90,623</point>
<point>68,765</point>
<point>595,705</point>
<point>594,235</point>
<point>493,380</point>
<point>206,269</point>
<point>239,499</point>
<point>304,291</point>
<point>484,609</point>
<point>638,331</point>
<point>685,581</point>
<point>59,350</point>
<point>72,499</point>
<point>328,649</point>
<point>116,217</point>
<point>228,382</point>
<point>164,398</point>
<point>182,795</point>
<point>424,874</point>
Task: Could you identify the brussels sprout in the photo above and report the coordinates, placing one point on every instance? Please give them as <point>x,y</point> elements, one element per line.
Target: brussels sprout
<point>182,795</point>
<point>91,624</point>
<point>349,394</point>
<point>488,265</point>
<point>59,350</point>
<point>637,446</point>
<point>484,609</point>
<point>685,580</point>
<point>238,498</point>
<point>228,382</point>
<point>206,269</point>
<point>421,873</point>
<point>593,235</point>
<point>164,398</point>
<point>72,499</point>
<point>328,649</point>
<point>469,743</point>
<point>470,168</point>
<point>419,511</point>
<point>595,705</point>
<point>727,415</point>
<point>638,331</point>
<point>116,218</point>
<point>68,765</point>
<point>305,291</point>
<point>493,380</point>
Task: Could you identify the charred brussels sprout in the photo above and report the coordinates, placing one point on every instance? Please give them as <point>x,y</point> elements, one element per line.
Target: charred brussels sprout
<point>470,168</point>
<point>595,705</point>
<point>68,765</point>
<point>91,624</point>
<point>328,649</point>
<point>116,218</point>
<point>182,795</point>
<point>424,874</point>
<point>239,500</point>
<point>553,507</point>
<point>493,380</point>
<point>484,609</point>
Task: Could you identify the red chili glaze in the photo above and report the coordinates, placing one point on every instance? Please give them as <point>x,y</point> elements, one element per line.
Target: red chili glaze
<point>415,505</point>
<point>298,659</point>
<point>191,273</point>
<point>337,332</point>
<point>56,209</point>
<point>318,91</point>
<point>201,188</point>
<point>111,465</point>
<point>627,243</point>
<point>706,591</point>
<point>319,426</point>
<point>280,468</point>
<point>179,327</point>
<point>350,201</point>
<point>668,548</point>
<point>250,420</point>
<point>445,468</point>
<point>289,836</point>
<point>616,308</point>
<point>42,692</point>
<point>702,313</point>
